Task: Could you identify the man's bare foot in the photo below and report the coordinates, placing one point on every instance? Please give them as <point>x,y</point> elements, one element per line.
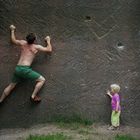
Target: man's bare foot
<point>2,98</point>
<point>1,102</point>
<point>36,99</point>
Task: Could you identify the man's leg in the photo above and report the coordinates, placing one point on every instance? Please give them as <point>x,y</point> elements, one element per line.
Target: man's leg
<point>7,91</point>
<point>38,86</point>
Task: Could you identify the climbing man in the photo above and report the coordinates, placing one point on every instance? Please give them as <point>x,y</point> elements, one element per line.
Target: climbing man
<point>23,69</point>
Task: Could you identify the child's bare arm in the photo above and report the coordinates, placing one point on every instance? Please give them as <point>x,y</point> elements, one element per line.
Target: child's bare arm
<point>117,106</point>
<point>109,94</point>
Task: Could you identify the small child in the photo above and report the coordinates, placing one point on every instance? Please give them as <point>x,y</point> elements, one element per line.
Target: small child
<point>115,104</point>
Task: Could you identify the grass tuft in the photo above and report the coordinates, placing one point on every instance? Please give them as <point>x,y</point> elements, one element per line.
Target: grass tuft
<point>124,137</point>
<point>72,119</point>
<point>58,136</point>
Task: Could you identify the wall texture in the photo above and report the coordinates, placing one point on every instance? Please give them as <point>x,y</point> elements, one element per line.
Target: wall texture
<point>86,59</point>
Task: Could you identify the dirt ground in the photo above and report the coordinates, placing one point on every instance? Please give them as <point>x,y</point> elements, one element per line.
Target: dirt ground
<point>76,132</point>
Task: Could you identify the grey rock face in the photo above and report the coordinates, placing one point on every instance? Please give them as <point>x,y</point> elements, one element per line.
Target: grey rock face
<point>86,59</point>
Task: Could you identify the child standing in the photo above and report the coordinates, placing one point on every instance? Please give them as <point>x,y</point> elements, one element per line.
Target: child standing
<point>115,104</point>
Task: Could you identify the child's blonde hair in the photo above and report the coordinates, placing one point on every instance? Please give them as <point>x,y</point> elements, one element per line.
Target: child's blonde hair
<point>115,88</point>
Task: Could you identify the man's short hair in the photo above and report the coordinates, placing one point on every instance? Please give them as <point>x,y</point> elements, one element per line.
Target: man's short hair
<point>30,38</point>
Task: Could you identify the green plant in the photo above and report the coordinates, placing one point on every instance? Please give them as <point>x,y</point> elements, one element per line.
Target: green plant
<point>84,131</point>
<point>58,136</point>
<point>124,137</point>
<point>73,119</point>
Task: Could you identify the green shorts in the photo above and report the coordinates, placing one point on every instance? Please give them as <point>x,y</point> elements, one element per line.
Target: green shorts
<point>24,72</point>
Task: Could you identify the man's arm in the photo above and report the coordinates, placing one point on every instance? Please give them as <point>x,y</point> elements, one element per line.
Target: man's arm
<point>48,47</point>
<point>13,37</point>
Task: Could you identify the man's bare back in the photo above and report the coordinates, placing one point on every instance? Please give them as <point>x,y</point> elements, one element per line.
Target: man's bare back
<point>28,53</point>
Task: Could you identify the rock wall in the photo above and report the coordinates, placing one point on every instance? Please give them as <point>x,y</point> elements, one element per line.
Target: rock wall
<point>95,43</point>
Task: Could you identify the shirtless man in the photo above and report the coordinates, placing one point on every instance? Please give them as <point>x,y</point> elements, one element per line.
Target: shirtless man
<point>23,69</point>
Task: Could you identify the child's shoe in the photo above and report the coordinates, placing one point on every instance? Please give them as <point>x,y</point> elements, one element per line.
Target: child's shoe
<point>112,128</point>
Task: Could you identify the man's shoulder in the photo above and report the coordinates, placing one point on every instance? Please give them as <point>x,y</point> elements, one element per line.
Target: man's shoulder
<point>37,46</point>
<point>22,42</point>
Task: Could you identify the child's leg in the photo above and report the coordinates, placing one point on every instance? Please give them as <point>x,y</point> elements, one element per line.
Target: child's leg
<point>118,119</point>
<point>115,118</point>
